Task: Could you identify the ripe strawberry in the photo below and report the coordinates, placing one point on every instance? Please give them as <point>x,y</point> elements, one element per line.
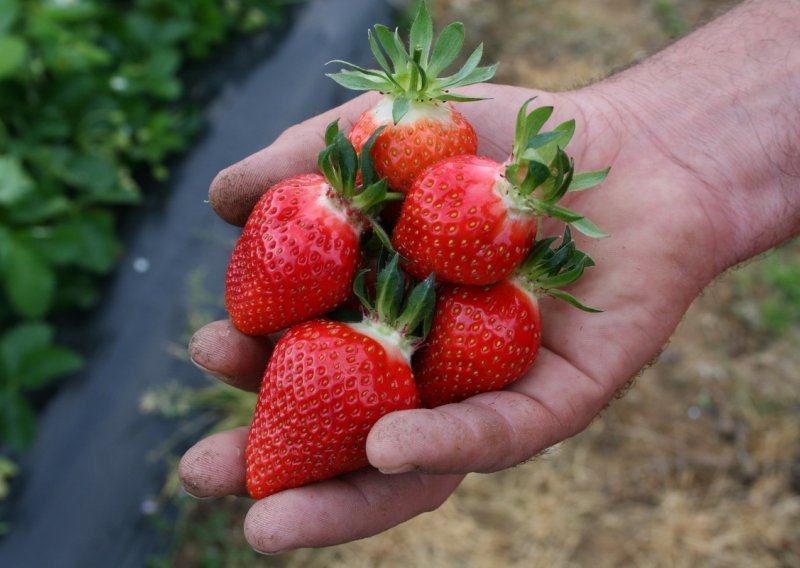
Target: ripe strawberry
<point>472,220</point>
<point>485,337</point>
<point>299,250</point>
<point>422,126</point>
<point>326,385</point>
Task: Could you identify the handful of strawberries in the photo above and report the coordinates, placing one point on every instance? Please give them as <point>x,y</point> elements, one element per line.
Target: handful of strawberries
<point>467,222</point>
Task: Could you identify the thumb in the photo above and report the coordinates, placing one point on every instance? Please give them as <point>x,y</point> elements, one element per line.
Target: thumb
<point>236,189</point>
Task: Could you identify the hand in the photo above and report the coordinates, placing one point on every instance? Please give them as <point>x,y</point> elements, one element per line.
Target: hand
<point>644,281</point>
<point>703,176</point>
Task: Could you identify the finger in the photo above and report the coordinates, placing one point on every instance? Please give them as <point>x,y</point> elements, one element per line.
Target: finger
<point>233,357</point>
<point>343,509</point>
<point>236,189</point>
<point>491,431</point>
<point>215,466</point>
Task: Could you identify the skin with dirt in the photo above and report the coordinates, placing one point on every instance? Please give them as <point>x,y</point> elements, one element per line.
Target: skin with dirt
<point>699,464</point>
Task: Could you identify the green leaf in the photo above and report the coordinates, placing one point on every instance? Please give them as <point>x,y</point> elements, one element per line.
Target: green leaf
<point>447,48</point>
<point>17,422</point>
<point>357,81</point>
<point>555,211</point>
<point>381,234</point>
<point>477,75</point>
<point>570,299</point>
<point>45,364</point>
<point>400,107</point>
<point>29,281</point>
<point>347,159</point>
<point>378,54</point>
<point>20,341</point>
<point>391,44</point>
<point>456,79</point>
<point>35,209</point>
<point>421,35</point>
<point>9,10</point>
<point>13,51</point>
<point>457,98</point>
<point>539,140</point>
<point>419,307</point>
<point>587,180</point>
<point>365,161</point>
<point>567,130</point>
<point>588,228</point>
<point>536,119</point>
<point>360,289</point>
<point>15,183</point>
<point>536,175</point>
<point>93,236</point>
<point>389,291</point>
<point>331,131</point>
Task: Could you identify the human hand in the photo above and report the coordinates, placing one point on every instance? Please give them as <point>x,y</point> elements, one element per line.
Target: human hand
<point>644,281</point>
<point>704,169</point>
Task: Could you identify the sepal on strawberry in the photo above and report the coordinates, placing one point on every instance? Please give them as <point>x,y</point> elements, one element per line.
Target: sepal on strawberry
<point>412,74</point>
<point>547,269</point>
<point>543,172</point>
<point>410,318</point>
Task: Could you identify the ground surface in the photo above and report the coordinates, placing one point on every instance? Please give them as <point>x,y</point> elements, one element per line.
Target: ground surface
<point>699,464</point>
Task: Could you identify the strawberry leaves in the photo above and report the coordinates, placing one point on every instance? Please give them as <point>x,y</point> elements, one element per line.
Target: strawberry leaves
<point>412,74</point>
<point>547,269</point>
<point>412,317</point>
<point>543,172</point>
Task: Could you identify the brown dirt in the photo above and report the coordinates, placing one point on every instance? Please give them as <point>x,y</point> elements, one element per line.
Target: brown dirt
<point>699,464</point>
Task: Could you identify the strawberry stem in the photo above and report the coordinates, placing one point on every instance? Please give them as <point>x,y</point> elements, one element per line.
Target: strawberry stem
<point>414,319</point>
<point>548,268</point>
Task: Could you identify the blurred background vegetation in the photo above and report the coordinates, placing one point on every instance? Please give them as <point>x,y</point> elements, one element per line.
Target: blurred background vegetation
<point>91,109</point>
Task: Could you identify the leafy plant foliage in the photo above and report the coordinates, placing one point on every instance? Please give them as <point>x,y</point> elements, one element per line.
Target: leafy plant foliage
<point>90,93</point>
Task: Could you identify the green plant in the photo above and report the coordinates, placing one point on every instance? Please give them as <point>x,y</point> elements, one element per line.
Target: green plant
<point>673,22</point>
<point>768,291</point>
<point>90,99</point>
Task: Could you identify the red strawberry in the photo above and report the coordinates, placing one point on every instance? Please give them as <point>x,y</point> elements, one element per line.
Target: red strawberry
<point>299,251</point>
<point>422,127</point>
<point>485,337</point>
<point>326,385</point>
<point>427,134</point>
<point>472,220</point>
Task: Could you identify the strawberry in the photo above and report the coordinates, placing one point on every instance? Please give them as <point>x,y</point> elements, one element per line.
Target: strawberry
<point>300,248</point>
<point>422,126</point>
<point>473,220</point>
<point>484,337</point>
<point>328,382</point>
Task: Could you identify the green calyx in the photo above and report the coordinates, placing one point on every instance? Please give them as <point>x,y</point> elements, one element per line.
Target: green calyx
<point>410,314</point>
<point>547,269</point>
<point>542,171</point>
<point>340,164</point>
<point>410,74</point>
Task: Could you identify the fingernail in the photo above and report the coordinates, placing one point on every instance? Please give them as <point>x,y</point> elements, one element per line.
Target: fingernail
<point>220,376</point>
<point>405,468</point>
<point>276,553</point>
<point>193,496</point>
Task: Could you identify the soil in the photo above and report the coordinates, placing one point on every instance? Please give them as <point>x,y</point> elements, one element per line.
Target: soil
<point>699,463</point>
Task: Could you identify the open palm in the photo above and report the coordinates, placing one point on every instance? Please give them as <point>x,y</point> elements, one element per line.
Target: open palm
<point>648,272</point>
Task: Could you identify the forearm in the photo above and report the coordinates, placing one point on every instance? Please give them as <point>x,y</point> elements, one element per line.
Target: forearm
<point>724,104</point>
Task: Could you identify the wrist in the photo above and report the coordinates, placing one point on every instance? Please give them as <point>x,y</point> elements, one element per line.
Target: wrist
<point>721,106</point>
